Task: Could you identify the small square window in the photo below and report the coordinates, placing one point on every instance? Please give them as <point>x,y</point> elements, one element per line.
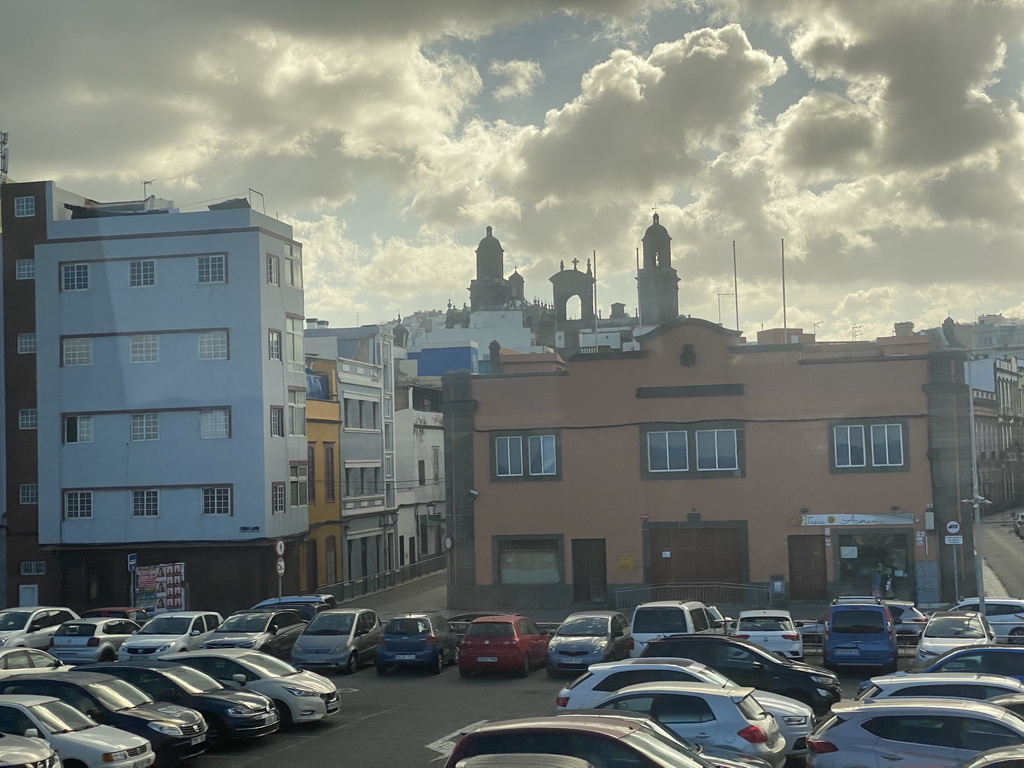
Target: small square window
<point>146,349</point>
<point>145,426</point>
<point>213,345</point>
<point>28,418</point>
<point>78,429</point>
<point>145,503</point>
<point>277,498</point>
<point>25,269</point>
<point>213,424</point>
<point>217,501</point>
<point>211,269</point>
<point>77,352</point>
<point>142,273</point>
<point>75,277</point>
<point>26,343</point>
<point>24,207</point>
<point>28,493</point>
<point>77,504</point>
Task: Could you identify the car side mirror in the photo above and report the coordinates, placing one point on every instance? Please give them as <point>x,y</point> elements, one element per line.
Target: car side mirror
<point>135,631</point>
<point>240,679</point>
<point>31,733</point>
<point>195,633</point>
<point>272,631</point>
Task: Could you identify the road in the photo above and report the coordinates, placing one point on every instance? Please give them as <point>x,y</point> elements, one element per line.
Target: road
<point>1003,552</point>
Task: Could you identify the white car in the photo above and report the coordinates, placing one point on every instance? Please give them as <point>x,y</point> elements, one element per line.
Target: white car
<point>773,630</point>
<point>794,718</point>
<point>300,696</point>
<point>960,685</point>
<point>75,737</point>
<point>708,715</point>
<point>947,630</point>
<point>170,633</point>
<point>27,661</point>
<point>1006,615</point>
<point>27,752</point>
<point>32,627</point>
<point>90,640</point>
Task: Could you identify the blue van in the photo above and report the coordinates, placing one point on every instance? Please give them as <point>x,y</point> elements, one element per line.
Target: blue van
<point>859,634</point>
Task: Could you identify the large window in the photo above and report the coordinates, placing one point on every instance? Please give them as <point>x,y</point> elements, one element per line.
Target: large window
<point>508,456</point>
<point>716,449</point>
<point>78,429</point>
<point>293,272</point>
<point>145,503</point>
<point>274,344</point>
<point>864,446</point>
<point>887,445</point>
<point>529,561</point>
<point>294,330</point>
<point>362,414</point>
<point>298,485</point>
<point>142,273</point>
<point>214,424</point>
<point>75,277</point>
<point>273,269</point>
<point>277,497</point>
<point>211,269</point>
<point>77,352</point>
<point>145,426</point>
<point>329,478</point>
<point>296,412</point>
<point>217,501</point>
<point>213,345</point>
<point>311,464</point>
<point>849,445</point>
<point>667,451</point>
<point>276,421</point>
<point>542,455</point>
<point>77,504</point>
<point>145,349</point>
<point>526,456</point>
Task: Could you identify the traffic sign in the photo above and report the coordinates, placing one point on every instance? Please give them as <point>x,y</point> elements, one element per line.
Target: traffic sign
<point>133,562</point>
<point>280,566</point>
<point>954,539</point>
<point>279,547</point>
<point>448,542</point>
<point>952,528</point>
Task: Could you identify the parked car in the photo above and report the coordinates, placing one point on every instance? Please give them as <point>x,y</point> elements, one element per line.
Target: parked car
<point>1006,615</point>
<point>502,643</point>
<point>460,622</point>
<point>25,752</point>
<point>745,663</point>
<point>794,718</point>
<point>670,617</point>
<point>859,634</point>
<point>174,731</point>
<point>231,715</point>
<point>417,640</point>
<point>1003,757</point>
<point>947,630</point>
<point>1012,701</point>
<point>170,633</point>
<point>520,760</point>
<point>1017,520</point>
<point>340,638</point>
<point>78,739</point>
<point>773,630</point>
<point>588,637</point>
<point>962,685</point>
<point>330,601</point>
<point>31,627</point>
<point>138,615</point>
<point>908,619</point>
<point>299,696</point>
<point>937,733</point>
<point>26,661</point>
<point>1005,660</point>
<point>273,632</point>
<point>92,639</point>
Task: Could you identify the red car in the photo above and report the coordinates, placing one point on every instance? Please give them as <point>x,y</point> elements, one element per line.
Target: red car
<point>504,643</point>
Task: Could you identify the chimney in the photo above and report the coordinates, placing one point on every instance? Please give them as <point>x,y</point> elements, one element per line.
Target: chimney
<point>322,323</point>
<point>904,329</point>
<point>311,322</point>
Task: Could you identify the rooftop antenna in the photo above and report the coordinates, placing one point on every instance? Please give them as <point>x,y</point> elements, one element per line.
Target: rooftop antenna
<point>3,156</point>
<point>785,326</point>
<point>145,187</point>
<point>735,286</point>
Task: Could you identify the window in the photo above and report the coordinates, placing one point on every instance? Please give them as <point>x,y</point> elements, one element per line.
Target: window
<point>293,272</point>
<point>421,470</point>
<point>77,504</point>
<point>217,501</point>
<point>296,412</point>
<point>273,270</point>
<point>276,421</point>
<point>297,474</point>
<point>716,449</point>
<point>529,561</point>
<point>211,269</point>
<point>77,352</point>
<point>26,343</point>
<point>28,418</point>
<point>75,277</point>
<point>145,349</point>
<point>667,452</point>
<point>25,269</point>
<point>213,345</point>
<point>849,445</point>
<point>328,471</point>
<point>28,493</point>
<point>145,503</point>
<point>294,329</point>
<point>274,344</point>
<point>387,407</point>
<point>24,207</point>
<point>887,445</point>
<point>32,568</point>
<point>78,429</point>
<point>277,498</point>
<point>508,456</point>
<point>145,426</point>
<point>213,424</point>
<point>311,464</point>
<point>542,454</point>
<point>141,272</point>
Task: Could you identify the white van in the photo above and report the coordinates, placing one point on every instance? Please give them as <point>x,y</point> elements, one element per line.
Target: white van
<point>670,617</point>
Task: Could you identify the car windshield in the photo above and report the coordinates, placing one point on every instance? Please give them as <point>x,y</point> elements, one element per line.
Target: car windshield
<point>408,627</point>
<point>167,625</point>
<point>765,624</point>
<point>245,622</point>
<point>58,717</point>
<point>954,626</point>
<point>331,624</point>
<point>490,629</point>
<point>118,695</point>
<point>192,680</point>
<point>13,620</point>
<point>76,630</point>
<point>267,666</point>
<point>590,626</point>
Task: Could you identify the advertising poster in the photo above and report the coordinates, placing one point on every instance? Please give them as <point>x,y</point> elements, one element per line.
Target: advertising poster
<point>160,588</point>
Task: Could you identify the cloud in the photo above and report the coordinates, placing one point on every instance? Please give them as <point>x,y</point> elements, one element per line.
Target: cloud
<point>521,77</point>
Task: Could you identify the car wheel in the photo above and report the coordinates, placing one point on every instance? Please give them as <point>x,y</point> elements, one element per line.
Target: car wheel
<point>216,734</point>
<point>524,670</point>
<point>108,655</point>
<point>381,669</point>
<point>438,666</point>
<point>283,713</point>
<point>351,665</point>
<point>455,657</point>
<point>1017,636</point>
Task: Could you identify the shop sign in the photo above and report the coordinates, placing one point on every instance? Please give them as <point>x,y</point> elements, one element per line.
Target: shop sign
<point>884,518</point>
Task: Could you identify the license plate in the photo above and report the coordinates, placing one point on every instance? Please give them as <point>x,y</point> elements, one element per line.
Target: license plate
<point>405,656</point>
<point>140,763</point>
<point>317,650</point>
<point>486,658</point>
<point>197,740</point>
<point>846,652</point>
<point>573,661</point>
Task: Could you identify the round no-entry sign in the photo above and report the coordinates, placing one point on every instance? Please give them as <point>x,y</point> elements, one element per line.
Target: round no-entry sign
<point>279,547</point>
<point>952,527</point>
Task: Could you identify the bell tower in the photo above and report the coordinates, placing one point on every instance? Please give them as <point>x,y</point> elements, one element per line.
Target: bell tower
<point>657,281</point>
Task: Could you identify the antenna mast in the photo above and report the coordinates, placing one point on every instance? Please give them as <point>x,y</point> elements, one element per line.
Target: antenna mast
<point>3,156</point>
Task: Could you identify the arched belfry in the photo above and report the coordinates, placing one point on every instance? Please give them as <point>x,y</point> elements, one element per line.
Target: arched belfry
<point>567,283</point>
<point>657,281</point>
<point>489,290</point>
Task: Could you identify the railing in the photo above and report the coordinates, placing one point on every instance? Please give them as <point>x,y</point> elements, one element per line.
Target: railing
<point>347,590</point>
<point>709,593</point>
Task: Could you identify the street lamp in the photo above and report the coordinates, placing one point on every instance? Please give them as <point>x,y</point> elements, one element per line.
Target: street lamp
<point>979,578</point>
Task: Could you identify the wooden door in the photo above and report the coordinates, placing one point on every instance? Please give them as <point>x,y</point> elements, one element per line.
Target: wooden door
<point>808,577</point>
<point>686,555</point>
<point>589,571</point>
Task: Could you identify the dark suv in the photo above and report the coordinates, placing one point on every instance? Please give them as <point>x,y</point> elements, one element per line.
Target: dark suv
<point>748,664</point>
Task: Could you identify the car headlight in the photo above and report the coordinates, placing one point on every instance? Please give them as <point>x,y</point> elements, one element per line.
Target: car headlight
<point>164,647</point>
<point>822,680</point>
<point>794,719</point>
<point>241,712</point>
<point>169,729</point>
<point>3,640</point>
<point>247,644</point>
<point>341,648</point>
<point>115,757</point>
<point>294,691</point>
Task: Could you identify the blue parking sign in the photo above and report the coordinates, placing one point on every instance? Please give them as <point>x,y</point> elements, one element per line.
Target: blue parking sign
<point>133,561</point>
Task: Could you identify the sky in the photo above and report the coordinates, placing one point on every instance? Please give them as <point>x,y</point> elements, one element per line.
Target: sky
<point>882,141</point>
